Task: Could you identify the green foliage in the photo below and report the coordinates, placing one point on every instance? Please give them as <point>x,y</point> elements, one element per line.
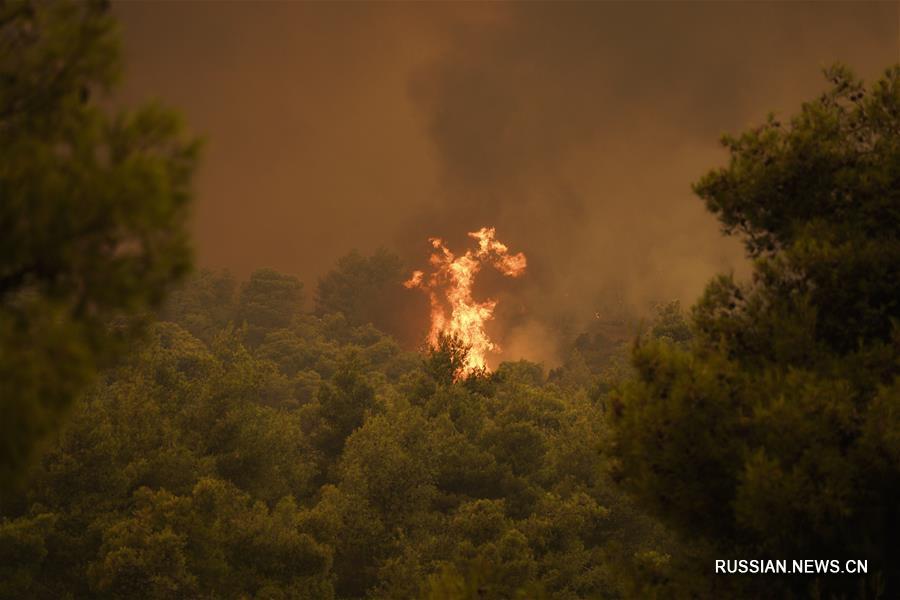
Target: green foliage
<point>366,290</point>
<point>773,433</point>
<point>818,197</point>
<point>93,214</point>
<point>322,462</point>
<point>670,323</point>
<point>247,449</point>
<point>203,305</point>
<point>268,301</point>
<point>445,361</point>
<point>236,546</point>
<point>23,546</point>
<point>597,357</point>
<point>342,406</point>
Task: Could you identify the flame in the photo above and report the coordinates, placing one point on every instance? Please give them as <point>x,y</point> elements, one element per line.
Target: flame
<point>449,286</point>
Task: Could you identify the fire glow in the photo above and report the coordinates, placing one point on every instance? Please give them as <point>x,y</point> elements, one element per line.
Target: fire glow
<point>454,312</point>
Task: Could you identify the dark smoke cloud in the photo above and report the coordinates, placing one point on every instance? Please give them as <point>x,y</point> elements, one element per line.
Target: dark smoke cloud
<point>575,128</point>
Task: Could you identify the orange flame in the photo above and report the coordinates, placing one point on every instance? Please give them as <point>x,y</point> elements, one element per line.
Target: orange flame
<point>452,278</point>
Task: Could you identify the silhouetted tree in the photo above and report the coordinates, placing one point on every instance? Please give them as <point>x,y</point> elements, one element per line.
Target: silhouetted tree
<point>368,289</point>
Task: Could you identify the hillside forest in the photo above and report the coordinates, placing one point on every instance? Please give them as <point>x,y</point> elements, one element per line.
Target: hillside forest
<point>175,432</point>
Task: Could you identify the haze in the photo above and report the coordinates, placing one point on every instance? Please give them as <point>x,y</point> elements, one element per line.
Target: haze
<point>576,128</point>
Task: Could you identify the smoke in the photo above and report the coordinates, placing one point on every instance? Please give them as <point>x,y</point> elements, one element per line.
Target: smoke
<point>573,128</point>
<point>577,128</point>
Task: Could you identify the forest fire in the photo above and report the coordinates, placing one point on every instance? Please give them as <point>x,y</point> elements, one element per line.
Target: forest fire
<point>454,311</point>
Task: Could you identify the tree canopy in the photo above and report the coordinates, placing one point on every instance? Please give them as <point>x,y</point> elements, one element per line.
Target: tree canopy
<point>224,442</point>
<point>321,461</point>
<point>93,207</point>
<point>368,289</point>
<point>774,433</point>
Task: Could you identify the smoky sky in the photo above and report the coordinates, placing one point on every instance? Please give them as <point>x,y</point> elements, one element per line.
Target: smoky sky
<point>574,128</point>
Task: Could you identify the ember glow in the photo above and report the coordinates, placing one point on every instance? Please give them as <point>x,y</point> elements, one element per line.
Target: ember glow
<point>454,311</point>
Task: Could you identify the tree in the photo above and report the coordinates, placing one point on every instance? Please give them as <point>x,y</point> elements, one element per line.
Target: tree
<point>774,433</point>
<point>236,546</point>
<point>670,322</point>
<point>445,361</point>
<point>343,404</point>
<point>268,301</point>
<point>192,470</point>
<point>203,305</point>
<point>93,208</point>
<point>368,290</point>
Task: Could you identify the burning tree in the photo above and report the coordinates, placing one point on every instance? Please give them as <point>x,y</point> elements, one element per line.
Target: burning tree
<point>454,312</point>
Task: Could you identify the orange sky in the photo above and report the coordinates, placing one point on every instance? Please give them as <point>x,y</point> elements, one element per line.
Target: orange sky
<point>575,128</point>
